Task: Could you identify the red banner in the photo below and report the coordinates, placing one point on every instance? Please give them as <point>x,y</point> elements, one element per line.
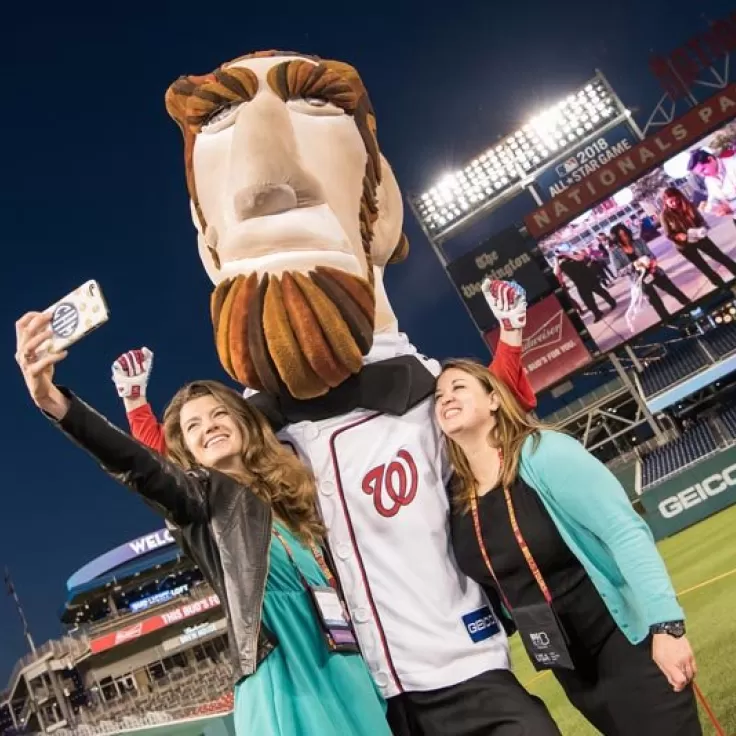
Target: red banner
<point>622,170</point>
<point>552,348</point>
<point>153,623</point>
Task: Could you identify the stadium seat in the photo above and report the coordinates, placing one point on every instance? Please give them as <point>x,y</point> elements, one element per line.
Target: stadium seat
<point>721,341</point>
<point>681,361</point>
<point>728,417</point>
<point>695,444</point>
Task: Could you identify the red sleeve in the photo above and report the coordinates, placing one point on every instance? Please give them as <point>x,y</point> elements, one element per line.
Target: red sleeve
<point>507,367</point>
<point>145,428</point>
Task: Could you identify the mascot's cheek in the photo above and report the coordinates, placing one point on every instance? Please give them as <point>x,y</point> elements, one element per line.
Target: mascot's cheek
<point>332,151</point>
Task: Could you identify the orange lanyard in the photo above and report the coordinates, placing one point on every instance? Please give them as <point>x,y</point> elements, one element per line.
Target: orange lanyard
<point>318,556</point>
<point>523,546</point>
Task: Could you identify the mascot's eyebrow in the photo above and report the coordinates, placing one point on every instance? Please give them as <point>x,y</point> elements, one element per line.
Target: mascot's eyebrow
<point>300,78</point>
<point>195,98</point>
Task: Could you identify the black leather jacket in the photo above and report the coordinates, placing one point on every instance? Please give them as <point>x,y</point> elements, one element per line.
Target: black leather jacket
<point>221,525</point>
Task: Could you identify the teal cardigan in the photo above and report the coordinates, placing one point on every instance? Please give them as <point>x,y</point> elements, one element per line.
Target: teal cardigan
<point>595,518</point>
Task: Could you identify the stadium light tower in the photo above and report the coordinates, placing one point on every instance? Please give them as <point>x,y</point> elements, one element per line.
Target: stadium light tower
<point>510,166</point>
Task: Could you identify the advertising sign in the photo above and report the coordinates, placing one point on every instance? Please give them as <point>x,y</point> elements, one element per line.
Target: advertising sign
<point>622,170</point>
<point>193,633</point>
<point>552,348</point>
<point>693,495</point>
<point>153,623</point>
<point>156,598</point>
<point>507,256</point>
<point>583,161</point>
<point>119,556</point>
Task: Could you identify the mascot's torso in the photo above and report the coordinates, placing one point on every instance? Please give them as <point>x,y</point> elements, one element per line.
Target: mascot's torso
<point>381,479</point>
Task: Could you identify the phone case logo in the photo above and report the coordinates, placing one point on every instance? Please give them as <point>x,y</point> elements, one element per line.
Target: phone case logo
<point>65,320</point>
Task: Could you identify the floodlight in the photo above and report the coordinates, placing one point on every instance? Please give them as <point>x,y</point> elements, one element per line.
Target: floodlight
<point>518,156</point>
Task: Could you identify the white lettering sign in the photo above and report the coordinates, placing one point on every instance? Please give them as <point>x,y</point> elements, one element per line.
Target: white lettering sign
<point>694,495</point>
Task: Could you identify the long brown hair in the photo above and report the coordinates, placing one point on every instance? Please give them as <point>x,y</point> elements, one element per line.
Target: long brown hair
<point>513,426</point>
<point>272,472</point>
<point>687,208</point>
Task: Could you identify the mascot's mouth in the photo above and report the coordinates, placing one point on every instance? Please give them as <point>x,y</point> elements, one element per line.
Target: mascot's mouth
<point>298,334</point>
<point>269,236</point>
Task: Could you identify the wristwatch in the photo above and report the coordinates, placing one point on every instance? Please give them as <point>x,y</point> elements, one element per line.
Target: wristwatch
<point>673,628</point>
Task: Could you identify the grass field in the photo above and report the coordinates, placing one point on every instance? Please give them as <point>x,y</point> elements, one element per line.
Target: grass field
<point>702,563</point>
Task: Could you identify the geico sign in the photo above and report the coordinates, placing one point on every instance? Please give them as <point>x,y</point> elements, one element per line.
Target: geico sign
<point>692,496</point>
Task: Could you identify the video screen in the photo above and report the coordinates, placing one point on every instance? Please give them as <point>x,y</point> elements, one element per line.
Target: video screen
<point>655,247</point>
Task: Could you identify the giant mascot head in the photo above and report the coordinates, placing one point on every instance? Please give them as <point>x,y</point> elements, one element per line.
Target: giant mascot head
<point>297,215</point>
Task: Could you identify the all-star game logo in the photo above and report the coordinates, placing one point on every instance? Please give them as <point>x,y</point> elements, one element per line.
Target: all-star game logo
<point>65,320</point>
<point>587,160</point>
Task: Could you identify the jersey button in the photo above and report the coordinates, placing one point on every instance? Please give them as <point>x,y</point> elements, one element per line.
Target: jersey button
<point>344,551</point>
<point>381,679</point>
<point>361,615</point>
<point>311,432</point>
<point>327,487</point>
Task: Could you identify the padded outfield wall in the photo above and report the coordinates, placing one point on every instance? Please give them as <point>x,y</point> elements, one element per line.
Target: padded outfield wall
<point>700,491</point>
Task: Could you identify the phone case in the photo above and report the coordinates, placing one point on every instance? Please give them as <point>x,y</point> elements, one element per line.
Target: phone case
<point>76,315</point>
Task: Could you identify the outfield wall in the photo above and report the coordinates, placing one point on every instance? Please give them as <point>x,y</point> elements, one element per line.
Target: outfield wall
<point>698,492</point>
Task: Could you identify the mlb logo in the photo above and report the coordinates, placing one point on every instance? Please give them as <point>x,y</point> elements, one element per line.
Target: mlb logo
<point>567,166</point>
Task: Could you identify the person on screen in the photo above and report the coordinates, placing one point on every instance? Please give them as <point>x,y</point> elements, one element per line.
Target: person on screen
<point>634,256</point>
<point>686,227</point>
<point>600,253</point>
<point>719,175</point>
<point>244,510</point>
<point>546,525</point>
<point>585,277</point>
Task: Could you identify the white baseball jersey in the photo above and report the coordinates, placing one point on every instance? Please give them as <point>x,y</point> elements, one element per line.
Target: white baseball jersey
<point>722,188</point>
<point>421,623</point>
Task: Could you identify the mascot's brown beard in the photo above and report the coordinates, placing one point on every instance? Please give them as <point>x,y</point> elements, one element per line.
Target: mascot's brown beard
<point>295,334</point>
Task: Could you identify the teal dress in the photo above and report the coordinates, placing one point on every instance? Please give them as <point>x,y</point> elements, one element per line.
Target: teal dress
<point>301,688</point>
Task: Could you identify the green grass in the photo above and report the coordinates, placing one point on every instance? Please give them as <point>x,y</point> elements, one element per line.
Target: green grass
<point>695,556</point>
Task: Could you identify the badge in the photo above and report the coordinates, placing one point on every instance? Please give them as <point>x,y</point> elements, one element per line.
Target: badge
<point>334,621</point>
<point>543,636</point>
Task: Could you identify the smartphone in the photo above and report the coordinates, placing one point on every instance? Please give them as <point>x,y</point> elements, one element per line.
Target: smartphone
<point>75,316</point>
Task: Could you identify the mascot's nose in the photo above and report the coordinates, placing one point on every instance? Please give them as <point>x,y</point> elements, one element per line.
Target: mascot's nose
<point>262,200</point>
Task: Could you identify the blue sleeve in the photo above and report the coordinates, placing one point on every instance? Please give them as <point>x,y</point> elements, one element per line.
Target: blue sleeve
<point>591,495</point>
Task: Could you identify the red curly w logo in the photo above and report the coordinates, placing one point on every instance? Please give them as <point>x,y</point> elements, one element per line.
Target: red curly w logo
<point>394,485</point>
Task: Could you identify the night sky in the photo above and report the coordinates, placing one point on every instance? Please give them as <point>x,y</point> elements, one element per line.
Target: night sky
<point>93,187</point>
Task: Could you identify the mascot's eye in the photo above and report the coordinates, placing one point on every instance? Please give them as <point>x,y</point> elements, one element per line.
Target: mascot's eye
<point>314,106</point>
<point>219,118</point>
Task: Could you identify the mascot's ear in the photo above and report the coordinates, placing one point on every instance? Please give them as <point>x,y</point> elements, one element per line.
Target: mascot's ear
<point>205,253</point>
<point>389,242</point>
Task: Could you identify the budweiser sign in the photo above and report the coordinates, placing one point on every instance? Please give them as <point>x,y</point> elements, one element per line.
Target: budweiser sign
<point>153,623</point>
<point>132,632</point>
<point>624,169</point>
<point>552,348</point>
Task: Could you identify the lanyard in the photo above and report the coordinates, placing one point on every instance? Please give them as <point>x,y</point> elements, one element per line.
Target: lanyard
<point>523,546</point>
<point>318,556</point>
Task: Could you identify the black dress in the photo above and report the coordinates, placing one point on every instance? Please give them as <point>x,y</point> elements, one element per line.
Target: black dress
<point>615,685</point>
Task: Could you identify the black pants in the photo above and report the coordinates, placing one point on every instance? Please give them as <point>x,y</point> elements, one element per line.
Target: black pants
<point>664,282</point>
<point>587,288</point>
<point>491,704</point>
<point>694,253</point>
<point>622,692</point>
